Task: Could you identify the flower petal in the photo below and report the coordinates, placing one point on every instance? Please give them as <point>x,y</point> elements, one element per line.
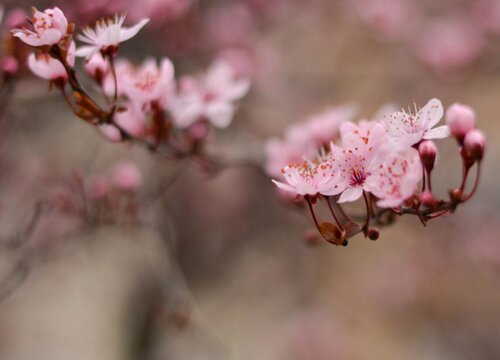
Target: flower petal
<point>440,132</point>
<point>128,33</point>
<point>351,194</point>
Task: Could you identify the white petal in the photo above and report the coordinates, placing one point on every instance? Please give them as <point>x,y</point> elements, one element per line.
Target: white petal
<point>128,33</point>
<point>220,114</point>
<point>431,113</point>
<point>351,194</point>
<point>285,187</point>
<point>86,51</point>
<point>440,132</point>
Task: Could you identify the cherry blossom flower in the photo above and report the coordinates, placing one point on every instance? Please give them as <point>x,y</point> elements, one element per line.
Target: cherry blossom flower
<point>396,179</point>
<point>148,83</point>
<point>304,140</point>
<point>310,178</point>
<point>97,66</point>
<point>107,35</point>
<point>211,97</point>
<point>406,129</point>
<point>363,150</point>
<point>132,120</point>
<point>49,68</point>
<point>49,27</point>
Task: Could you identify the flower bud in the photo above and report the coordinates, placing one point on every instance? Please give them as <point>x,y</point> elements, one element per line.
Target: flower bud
<point>460,119</point>
<point>373,234</point>
<point>127,176</point>
<point>428,152</point>
<point>428,199</point>
<point>474,144</point>
<point>312,238</point>
<point>9,65</point>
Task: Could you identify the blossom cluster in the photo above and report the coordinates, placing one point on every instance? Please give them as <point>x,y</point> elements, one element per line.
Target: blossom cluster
<point>146,103</point>
<point>383,162</point>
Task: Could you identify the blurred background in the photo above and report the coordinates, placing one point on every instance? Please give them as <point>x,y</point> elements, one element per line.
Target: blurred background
<point>214,266</point>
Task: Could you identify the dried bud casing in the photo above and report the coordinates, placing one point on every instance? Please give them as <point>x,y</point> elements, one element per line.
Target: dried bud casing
<point>332,233</point>
<point>460,120</point>
<point>428,153</point>
<point>373,234</point>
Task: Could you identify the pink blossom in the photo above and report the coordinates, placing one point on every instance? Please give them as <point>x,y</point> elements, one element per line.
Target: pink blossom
<point>310,178</point>
<point>213,97</point>
<point>363,150</point>
<point>396,179</point>
<point>15,18</point>
<point>49,26</point>
<point>110,132</point>
<point>97,66</point>
<point>132,120</point>
<point>126,176</point>
<point>107,34</point>
<point>49,68</point>
<point>148,83</point>
<point>304,140</point>
<point>406,129</point>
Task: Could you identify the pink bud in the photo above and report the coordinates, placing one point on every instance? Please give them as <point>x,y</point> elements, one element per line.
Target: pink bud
<point>9,65</point>
<point>98,188</point>
<point>428,152</point>
<point>429,200</point>
<point>110,132</point>
<point>474,144</point>
<point>16,18</point>
<point>460,119</point>
<point>126,176</point>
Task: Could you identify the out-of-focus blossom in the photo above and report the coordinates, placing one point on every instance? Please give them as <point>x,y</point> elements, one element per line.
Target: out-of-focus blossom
<point>126,176</point>
<point>107,35</point>
<point>212,97</point>
<point>310,178</point>
<point>97,67</point>
<point>405,129</point>
<point>9,65</point>
<point>448,46</point>
<point>460,119</point>
<point>388,19</point>
<point>110,132</point>
<point>304,140</point>
<point>487,13</point>
<point>98,187</point>
<point>148,83</point>
<point>227,25</point>
<point>363,151</point>
<point>15,18</point>
<point>49,68</point>
<point>158,10</point>
<point>132,120</point>
<point>397,178</point>
<point>49,27</point>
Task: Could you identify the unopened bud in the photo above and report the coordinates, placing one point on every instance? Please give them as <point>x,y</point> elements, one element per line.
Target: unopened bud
<point>474,144</point>
<point>332,233</point>
<point>9,65</point>
<point>456,196</point>
<point>460,119</point>
<point>428,199</point>
<point>428,152</point>
<point>373,234</point>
